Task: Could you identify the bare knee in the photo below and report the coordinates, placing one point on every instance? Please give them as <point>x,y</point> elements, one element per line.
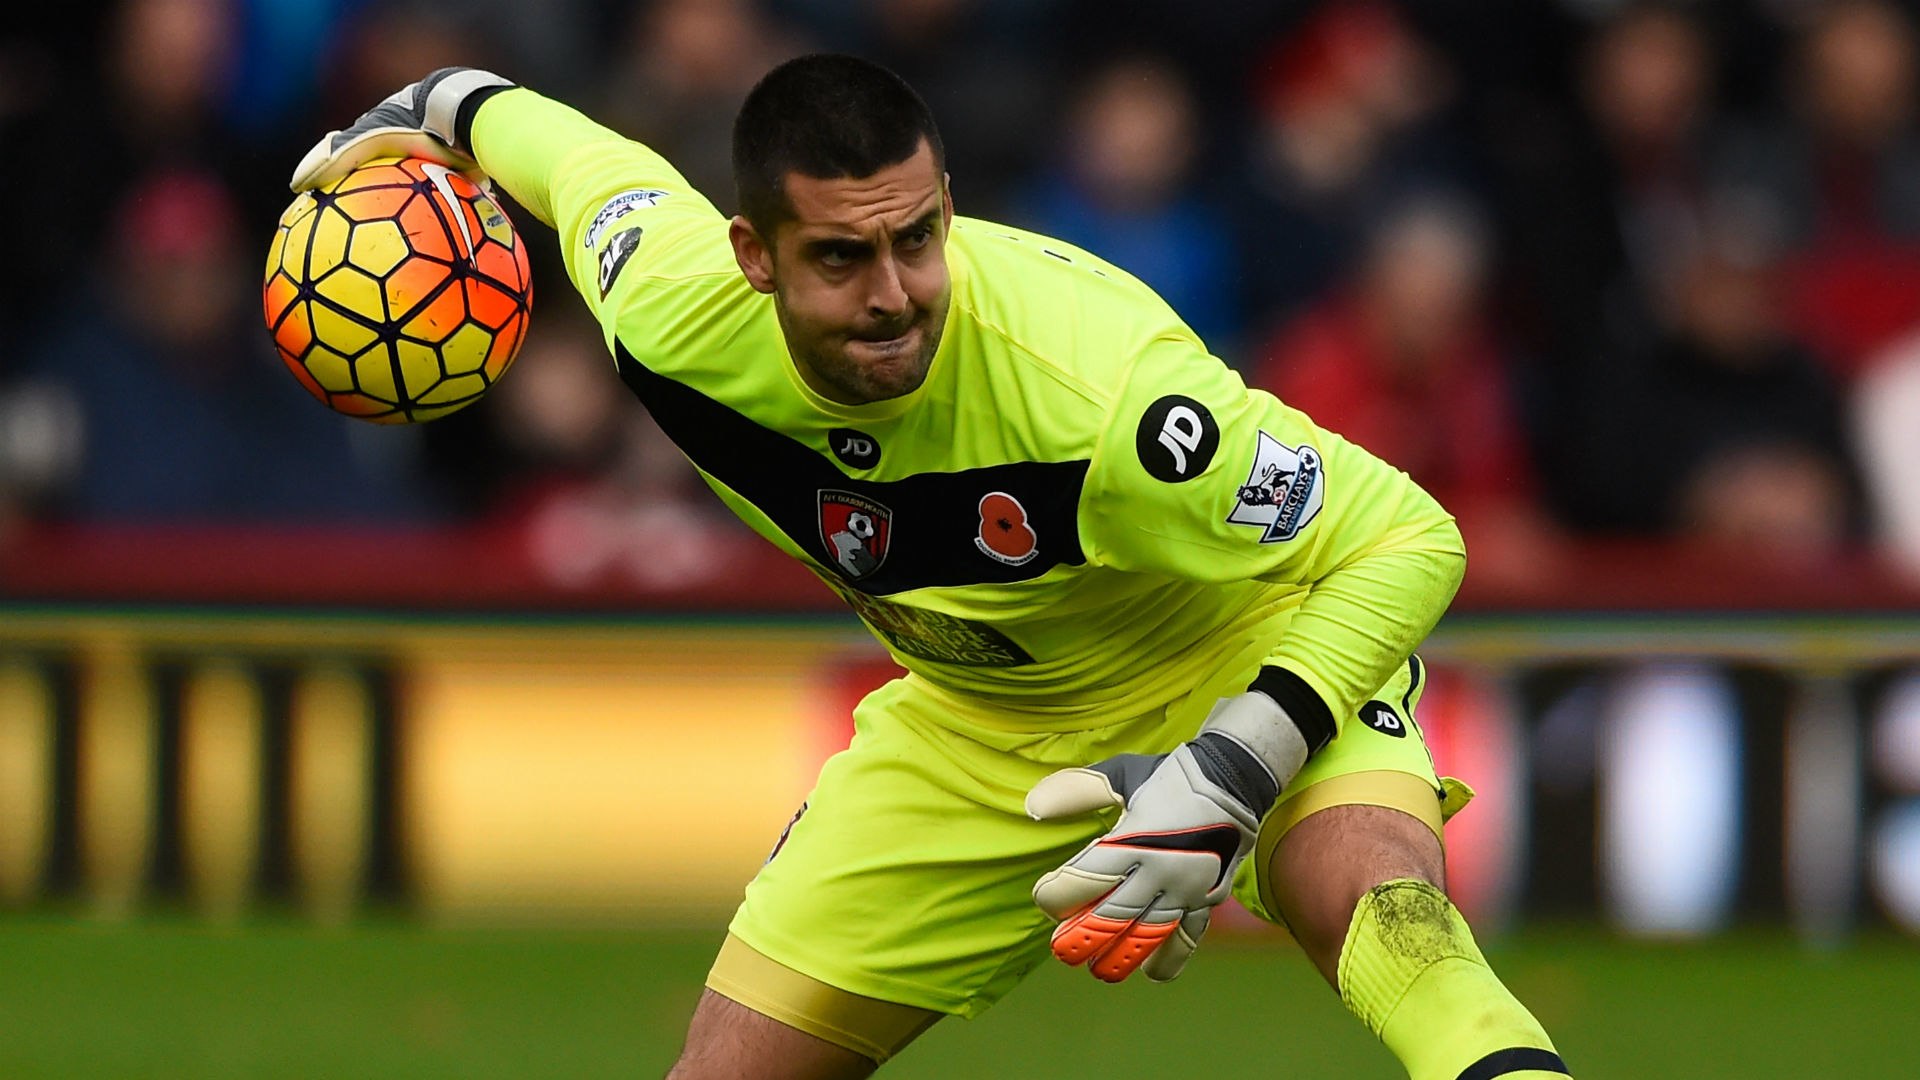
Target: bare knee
<point>1326,863</point>
<point>726,1040</point>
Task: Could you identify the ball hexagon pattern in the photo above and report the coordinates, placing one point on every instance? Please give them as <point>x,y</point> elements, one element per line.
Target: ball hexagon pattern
<point>399,293</point>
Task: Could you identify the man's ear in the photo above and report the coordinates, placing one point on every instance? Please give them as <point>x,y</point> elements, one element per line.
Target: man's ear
<point>946,200</point>
<point>752,253</point>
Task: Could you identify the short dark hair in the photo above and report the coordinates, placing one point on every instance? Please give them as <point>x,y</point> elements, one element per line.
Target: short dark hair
<point>825,116</point>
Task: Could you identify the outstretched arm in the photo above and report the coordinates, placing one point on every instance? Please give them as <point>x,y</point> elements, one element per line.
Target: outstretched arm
<point>575,175</point>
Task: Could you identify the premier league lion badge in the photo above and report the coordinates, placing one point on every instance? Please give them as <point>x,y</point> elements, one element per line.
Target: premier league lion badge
<point>1284,489</point>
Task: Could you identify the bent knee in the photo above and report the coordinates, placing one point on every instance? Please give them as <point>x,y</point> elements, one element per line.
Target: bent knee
<point>726,1039</point>
<point>1327,863</point>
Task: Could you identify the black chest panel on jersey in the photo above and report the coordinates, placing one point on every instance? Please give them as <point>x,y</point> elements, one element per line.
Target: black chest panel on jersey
<point>936,528</point>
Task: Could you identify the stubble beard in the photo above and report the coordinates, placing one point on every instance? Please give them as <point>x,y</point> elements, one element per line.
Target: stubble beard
<point>857,381</point>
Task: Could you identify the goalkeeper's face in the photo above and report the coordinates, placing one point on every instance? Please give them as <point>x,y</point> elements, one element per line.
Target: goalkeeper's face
<point>859,277</point>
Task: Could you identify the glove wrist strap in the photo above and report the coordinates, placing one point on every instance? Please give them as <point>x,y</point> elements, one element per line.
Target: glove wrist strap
<point>1263,730</point>
<point>449,98</point>
<point>1233,768</point>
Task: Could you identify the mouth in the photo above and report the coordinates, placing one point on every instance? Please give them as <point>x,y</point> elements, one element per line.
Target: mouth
<point>886,348</point>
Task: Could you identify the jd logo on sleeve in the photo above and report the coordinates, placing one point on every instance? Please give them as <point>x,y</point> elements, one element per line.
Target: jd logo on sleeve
<point>1380,716</point>
<point>1176,439</point>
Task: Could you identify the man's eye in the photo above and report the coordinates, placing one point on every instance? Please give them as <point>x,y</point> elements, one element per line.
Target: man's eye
<point>836,258</point>
<point>915,238</point>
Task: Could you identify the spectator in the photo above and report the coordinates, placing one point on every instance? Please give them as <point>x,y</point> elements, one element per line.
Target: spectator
<point>389,45</point>
<point>1678,439</point>
<point>1350,109</point>
<point>184,412</point>
<point>1124,191</point>
<point>1405,363</point>
<point>1843,178</point>
<point>686,67</point>
<point>1647,87</point>
<point>282,49</point>
<point>981,65</point>
<point>148,94</point>
<point>563,47</point>
<point>1599,212</point>
<point>1884,408</point>
<point>1781,499</point>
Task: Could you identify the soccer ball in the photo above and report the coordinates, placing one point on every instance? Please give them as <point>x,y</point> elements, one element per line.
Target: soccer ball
<point>398,293</point>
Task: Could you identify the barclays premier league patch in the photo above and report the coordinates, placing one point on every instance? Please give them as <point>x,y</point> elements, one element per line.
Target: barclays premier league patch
<point>614,259</point>
<point>1284,490</point>
<point>618,207</point>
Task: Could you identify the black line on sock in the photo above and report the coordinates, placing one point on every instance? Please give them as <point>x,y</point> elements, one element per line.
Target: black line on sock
<point>1513,1060</point>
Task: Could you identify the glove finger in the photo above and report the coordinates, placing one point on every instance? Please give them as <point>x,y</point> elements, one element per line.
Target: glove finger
<point>1127,772</point>
<point>326,163</point>
<point>1086,934</point>
<point>1137,943</point>
<point>1070,793</point>
<point>306,174</point>
<point>1070,889</point>
<point>1171,957</point>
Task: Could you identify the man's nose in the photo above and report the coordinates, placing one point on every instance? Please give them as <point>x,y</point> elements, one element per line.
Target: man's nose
<point>886,296</point>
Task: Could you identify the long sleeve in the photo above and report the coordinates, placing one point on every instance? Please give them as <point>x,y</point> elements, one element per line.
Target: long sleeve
<point>1201,478</point>
<point>621,210</point>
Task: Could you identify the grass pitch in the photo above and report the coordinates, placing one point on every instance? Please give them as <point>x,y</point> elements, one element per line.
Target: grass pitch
<point>165,998</point>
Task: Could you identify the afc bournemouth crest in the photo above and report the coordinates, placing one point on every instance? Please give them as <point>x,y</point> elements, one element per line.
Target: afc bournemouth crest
<point>1283,492</point>
<point>855,530</point>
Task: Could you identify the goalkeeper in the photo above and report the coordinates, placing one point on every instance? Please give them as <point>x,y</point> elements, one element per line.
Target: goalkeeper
<point>1159,628</point>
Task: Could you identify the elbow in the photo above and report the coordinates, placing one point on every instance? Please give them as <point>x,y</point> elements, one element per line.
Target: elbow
<point>1450,554</point>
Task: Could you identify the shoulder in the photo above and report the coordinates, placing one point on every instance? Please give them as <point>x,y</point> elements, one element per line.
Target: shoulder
<point>691,318</point>
<point>1059,305</point>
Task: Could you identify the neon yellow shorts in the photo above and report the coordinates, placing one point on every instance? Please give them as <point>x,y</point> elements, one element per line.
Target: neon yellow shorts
<point>908,875</point>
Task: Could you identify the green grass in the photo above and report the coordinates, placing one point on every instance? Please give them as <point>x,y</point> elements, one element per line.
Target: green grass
<point>167,998</point>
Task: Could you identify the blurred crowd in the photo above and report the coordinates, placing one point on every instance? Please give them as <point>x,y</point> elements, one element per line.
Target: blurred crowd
<point>1584,268</point>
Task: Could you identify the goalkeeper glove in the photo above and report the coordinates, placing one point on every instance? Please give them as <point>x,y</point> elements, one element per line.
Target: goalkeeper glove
<point>426,119</point>
<point>1141,896</point>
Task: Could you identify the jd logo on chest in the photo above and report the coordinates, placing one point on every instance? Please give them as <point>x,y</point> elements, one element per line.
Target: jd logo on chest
<point>1176,439</point>
<point>855,449</point>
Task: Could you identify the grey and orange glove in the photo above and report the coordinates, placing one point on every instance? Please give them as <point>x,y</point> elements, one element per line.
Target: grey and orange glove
<point>1140,897</point>
<point>426,119</point>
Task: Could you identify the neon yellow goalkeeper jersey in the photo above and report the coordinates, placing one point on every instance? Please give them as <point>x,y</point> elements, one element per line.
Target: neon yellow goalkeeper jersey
<point>1070,511</point>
